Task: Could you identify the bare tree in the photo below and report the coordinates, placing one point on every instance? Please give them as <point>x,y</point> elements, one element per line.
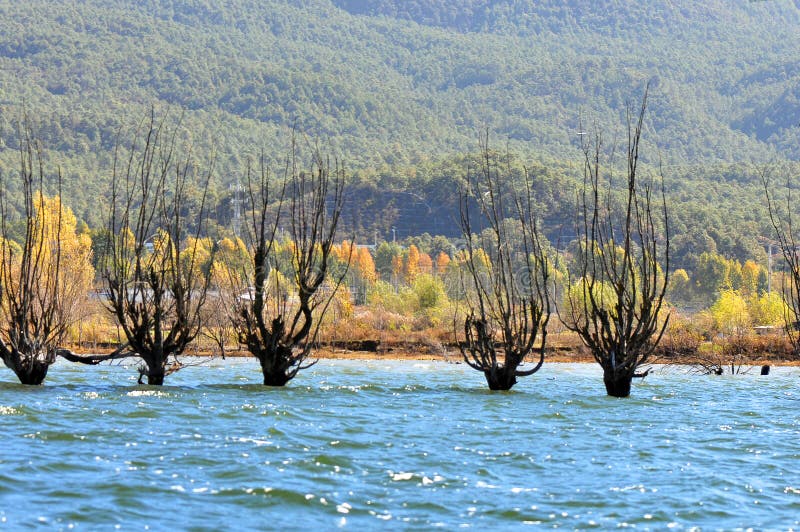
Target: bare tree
<point>279,324</point>
<point>155,283</point>
<point>782,219</point>
<point>35,313</point>
<point>508,300</point>
<point>616,305</point>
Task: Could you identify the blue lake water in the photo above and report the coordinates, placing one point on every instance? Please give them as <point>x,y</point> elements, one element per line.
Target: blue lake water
<point>401,445</point>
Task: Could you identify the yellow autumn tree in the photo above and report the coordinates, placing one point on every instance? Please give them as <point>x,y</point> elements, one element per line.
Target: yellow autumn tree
<point>160,252</point>
<point>230,263</point>
<point>200,252</point>
<point>412,263</point>
<point>75,248</point>
<point>768,309</point>
<point>730,312</point>
<point>442,261</point>
<point>425,263</point>
<point>397,266</point>
<point>344,251</point>
<point>366,265</point>
<point>750,275</point>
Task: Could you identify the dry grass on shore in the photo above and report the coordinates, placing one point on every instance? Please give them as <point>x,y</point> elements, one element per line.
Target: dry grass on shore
<point>751,351</point>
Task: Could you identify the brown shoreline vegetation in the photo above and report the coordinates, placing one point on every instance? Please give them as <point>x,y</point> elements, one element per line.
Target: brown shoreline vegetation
<point>563,347</point>
<point>369,332</point>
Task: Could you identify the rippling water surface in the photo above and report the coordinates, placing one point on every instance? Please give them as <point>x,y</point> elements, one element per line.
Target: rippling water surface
<point>400,444</point>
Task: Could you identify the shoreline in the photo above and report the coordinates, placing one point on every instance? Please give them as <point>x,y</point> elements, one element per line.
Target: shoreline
<point>453,356</point>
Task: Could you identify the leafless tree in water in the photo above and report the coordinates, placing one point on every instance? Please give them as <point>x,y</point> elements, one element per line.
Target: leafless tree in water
<point>617,305</point>
<point>507,275</point>
<point>154,281</point>
<point>34,308</point>
<point>279,322</point>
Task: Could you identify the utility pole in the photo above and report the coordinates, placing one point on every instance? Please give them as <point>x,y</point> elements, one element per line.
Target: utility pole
<point>236,203</point>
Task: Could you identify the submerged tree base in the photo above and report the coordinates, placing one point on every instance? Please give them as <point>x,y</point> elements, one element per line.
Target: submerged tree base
<point>153,379</point>
<point>618,386</point>
<point>31,374</point>
<point>278,365</point>
<point>156,373</point>
<point>501,379</point>
<point>276,379</point>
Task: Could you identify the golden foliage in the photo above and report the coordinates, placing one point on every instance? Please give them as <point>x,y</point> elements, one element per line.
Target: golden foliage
<point>365,265</point>
<point>61,256</point>
<point>442,261</point>
<point>425,263</point>
<point>730,312</point>
<point>412,266</point>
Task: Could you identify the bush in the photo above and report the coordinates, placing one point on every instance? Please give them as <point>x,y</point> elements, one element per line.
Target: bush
<point>429,291</point>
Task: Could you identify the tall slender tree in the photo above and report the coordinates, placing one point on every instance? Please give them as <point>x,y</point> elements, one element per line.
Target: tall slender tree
<point>508,305</point>
<point>617,305</point>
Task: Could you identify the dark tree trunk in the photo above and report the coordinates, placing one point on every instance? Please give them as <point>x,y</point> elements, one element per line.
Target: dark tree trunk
<point>33,374</point>
<point>155,378</point>
<point>275,379</point>
<point>617,385</point>
<point>502,378</point>
<point>155,372</point>
<point>275,374</point>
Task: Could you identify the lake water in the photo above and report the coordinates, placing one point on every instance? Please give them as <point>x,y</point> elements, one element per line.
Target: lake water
<point>402,445</point>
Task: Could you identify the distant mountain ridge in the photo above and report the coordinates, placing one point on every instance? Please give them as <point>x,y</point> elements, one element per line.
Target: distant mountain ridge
<point>606,17</point>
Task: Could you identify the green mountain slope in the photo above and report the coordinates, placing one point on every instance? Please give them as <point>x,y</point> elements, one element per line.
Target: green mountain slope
<point>387,79</point>
<point>391,84</point>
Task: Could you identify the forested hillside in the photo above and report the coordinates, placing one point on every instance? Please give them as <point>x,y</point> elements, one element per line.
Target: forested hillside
<point>399,89</point>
